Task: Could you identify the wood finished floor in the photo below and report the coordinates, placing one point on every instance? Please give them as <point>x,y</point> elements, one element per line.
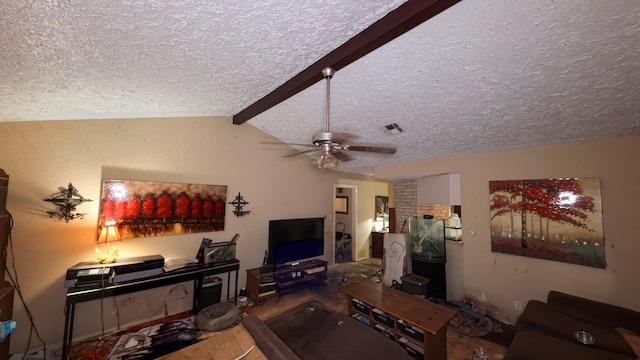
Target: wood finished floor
<point>459,347</point>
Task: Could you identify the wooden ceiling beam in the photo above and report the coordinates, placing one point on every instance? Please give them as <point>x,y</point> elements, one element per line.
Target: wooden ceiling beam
<point>404,18</point>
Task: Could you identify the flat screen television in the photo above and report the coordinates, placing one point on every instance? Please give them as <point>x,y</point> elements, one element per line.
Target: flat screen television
<point>292,240</point>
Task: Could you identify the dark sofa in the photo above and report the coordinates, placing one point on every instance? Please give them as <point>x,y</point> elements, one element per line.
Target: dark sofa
<point>311,332</point>
<point>546,330</point>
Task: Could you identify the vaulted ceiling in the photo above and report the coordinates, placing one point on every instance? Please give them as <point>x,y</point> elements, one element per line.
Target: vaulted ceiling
<point>477,75</point>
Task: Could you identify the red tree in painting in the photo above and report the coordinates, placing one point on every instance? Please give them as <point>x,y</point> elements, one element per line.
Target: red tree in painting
<point>120,209</point>
<point>505,200</point>
<point>196,207</point>
<point>505,196</point>
<point>108,209</point>
<point>219,209</point>
<point>148,208</point>
<point>182,206</point>
<point>133,208</point>
<point>207,208</point>
<point>164,208</point>
<point>557,200</point>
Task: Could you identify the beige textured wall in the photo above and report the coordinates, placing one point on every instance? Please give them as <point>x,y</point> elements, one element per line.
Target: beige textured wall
<point>506,278</point>
<point>41,156</point>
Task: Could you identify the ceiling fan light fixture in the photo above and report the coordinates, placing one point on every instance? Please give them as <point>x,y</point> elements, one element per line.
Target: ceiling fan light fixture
<point>326,161</point>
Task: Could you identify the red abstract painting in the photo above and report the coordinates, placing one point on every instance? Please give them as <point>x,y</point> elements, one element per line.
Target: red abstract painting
<point>553,219</point>
<point>144,208</point>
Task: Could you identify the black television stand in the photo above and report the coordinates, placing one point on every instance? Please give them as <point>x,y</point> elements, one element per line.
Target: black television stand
<point>287,277</point>
<point>301,273</point>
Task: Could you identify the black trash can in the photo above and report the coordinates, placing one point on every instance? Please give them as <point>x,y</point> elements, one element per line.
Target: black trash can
<point>211,292</point>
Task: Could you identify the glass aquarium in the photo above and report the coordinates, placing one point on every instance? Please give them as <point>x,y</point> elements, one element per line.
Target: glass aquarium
<point>426,236</point>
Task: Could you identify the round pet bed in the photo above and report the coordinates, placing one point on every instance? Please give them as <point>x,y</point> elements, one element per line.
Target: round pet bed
<point>217,316</point>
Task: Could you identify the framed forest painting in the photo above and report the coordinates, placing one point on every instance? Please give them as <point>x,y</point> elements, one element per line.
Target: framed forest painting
<point>553,219</point>
<point>382,208</point>
<point>146,208</point>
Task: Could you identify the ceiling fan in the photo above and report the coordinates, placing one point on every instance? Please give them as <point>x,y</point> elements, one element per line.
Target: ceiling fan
<point>333,146</point>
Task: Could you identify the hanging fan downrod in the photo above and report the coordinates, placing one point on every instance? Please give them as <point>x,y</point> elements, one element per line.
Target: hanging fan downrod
<point>326,136</point>
<point>328,74</point>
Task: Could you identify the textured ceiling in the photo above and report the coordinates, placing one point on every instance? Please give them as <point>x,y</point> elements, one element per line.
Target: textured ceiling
<point>483,75</point>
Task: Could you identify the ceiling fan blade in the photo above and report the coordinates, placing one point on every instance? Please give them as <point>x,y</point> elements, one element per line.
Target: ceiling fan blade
<point>375,149</point>
<point>284,143</point>
<point>299,153</point>
<point>343,137</point>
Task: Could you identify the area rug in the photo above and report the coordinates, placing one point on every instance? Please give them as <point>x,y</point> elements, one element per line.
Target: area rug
<point>156,340</point>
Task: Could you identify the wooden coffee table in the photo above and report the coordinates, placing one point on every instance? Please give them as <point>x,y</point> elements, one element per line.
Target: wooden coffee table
<point>403,316</point>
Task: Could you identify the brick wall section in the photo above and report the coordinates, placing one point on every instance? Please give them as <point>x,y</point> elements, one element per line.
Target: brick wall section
<point>406,198</point>
<point>439,211</point>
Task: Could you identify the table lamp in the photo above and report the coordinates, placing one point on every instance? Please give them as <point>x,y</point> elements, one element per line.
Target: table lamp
<point>108,234</point>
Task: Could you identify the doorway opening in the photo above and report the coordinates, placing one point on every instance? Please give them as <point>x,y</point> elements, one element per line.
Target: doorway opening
<point>344,222</point>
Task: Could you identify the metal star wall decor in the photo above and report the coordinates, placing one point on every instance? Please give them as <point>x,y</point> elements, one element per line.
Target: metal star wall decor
<point>239,203</point>
<point>67,199</point>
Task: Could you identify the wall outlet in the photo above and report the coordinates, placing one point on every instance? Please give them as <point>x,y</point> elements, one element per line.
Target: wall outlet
<point>517,305</point>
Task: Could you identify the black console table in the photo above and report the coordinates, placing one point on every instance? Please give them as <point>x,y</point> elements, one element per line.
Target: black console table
<point>195,272</point>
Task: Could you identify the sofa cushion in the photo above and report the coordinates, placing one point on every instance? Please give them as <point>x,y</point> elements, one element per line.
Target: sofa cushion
<point>540,317</point>
<point>528,345</point>
<point>600,313</point>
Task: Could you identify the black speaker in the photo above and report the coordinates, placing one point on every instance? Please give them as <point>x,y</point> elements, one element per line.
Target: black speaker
<point>265,269</point>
